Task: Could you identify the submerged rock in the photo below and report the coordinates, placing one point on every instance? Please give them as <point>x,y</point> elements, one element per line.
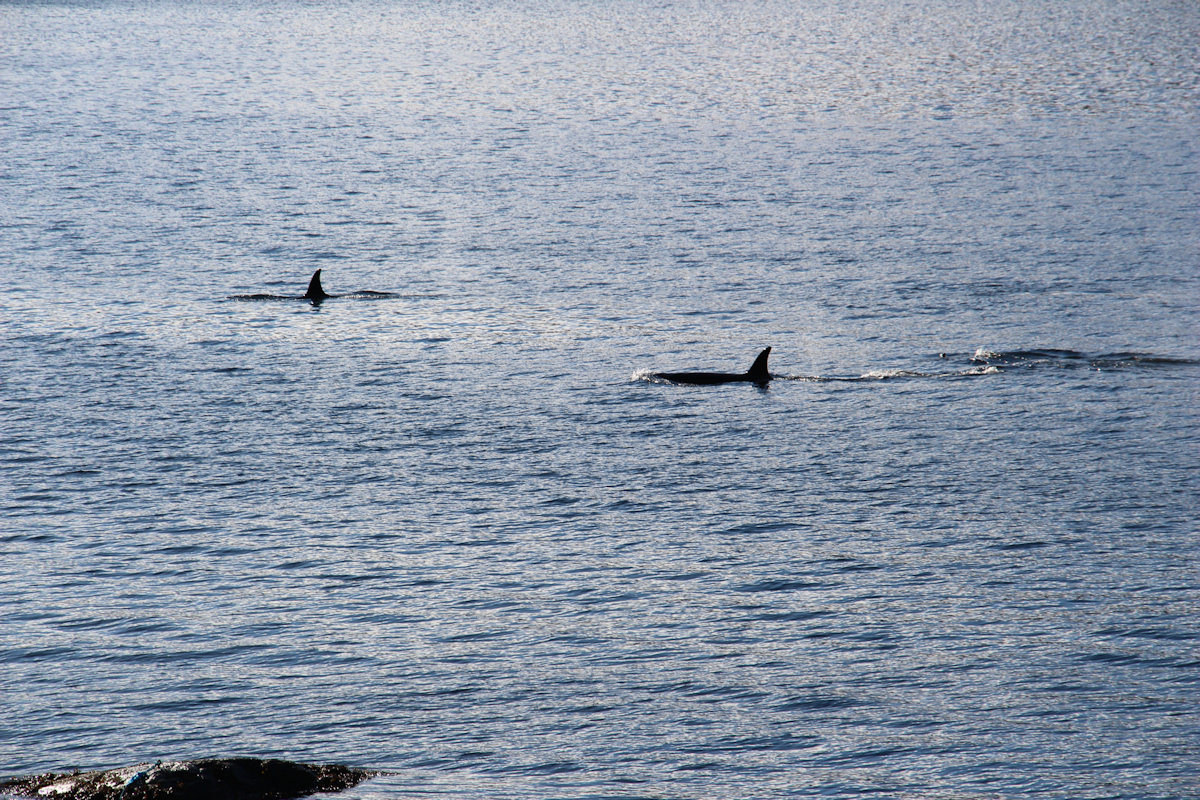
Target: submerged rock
<point>206,779</point>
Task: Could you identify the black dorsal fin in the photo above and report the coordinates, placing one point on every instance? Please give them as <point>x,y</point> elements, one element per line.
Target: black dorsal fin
<point>758,371</point>
<point>315,293</point>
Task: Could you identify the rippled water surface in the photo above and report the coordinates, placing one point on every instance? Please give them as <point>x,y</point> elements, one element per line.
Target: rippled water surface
<point>456,531</point>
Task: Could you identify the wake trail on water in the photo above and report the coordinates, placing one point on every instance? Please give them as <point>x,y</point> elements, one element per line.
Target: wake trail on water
<point>1073,359</point>
<point>891,374</point>
<point>983,363</point>
<point>364,294</point>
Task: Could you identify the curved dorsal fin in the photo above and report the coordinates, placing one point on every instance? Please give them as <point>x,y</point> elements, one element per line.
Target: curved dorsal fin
<point>758,371</point>
<point>315,293</point>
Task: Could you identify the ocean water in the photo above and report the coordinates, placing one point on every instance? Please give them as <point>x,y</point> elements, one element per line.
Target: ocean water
<point>456,532</point>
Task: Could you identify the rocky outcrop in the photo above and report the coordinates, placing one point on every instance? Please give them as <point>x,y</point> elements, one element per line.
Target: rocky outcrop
<point>207,779</point>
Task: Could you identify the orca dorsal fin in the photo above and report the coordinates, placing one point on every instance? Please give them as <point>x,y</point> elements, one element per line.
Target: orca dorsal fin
<point>758,371</point>
<point>315,293</point>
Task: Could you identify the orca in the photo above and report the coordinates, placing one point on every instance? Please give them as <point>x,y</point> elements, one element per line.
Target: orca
<point>756,374</point>
<point>315,294</point>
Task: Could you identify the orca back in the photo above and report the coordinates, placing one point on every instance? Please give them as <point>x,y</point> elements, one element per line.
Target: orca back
<point>702,378</point>
<point>315,293</point>
<point>758,370</point>
<point>757,373</point>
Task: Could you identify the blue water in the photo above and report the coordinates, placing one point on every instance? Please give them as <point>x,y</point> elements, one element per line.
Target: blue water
<point>458,534</point>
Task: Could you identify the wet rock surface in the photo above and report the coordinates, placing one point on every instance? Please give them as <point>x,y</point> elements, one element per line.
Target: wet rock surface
<point>207,779</point>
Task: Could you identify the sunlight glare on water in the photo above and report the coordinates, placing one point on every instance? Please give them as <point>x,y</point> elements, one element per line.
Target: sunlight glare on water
<point>457,531</point>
